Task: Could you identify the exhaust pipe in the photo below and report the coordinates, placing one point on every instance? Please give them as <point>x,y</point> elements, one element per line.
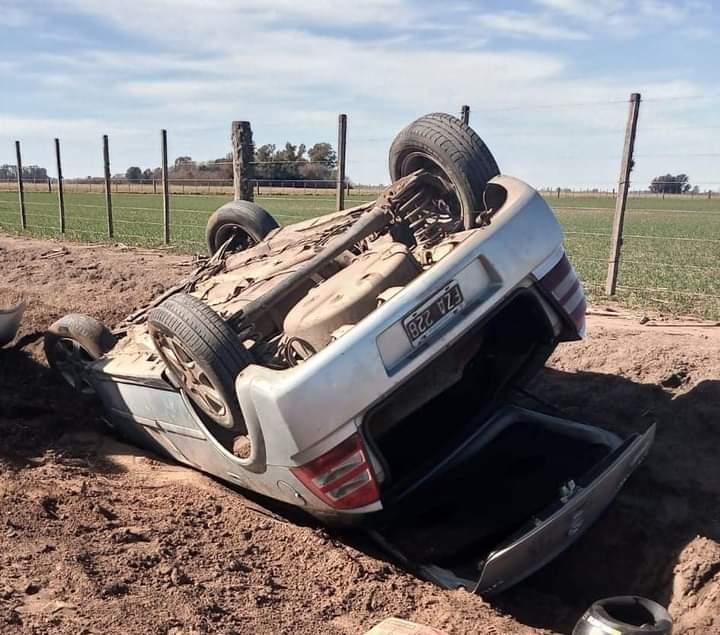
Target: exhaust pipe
<point>10,322</point>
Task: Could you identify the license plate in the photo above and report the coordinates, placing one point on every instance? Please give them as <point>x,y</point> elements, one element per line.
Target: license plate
<point>429,314</point>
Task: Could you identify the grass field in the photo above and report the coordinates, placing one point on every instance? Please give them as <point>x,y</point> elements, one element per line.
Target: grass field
<point>671,252</point>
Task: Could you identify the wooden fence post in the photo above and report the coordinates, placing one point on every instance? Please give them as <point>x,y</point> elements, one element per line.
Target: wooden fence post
<point>342,144</point>
<point>165,187</point>
<point>21,191</point>
<point>60,193</point>
<point>626,167</point>
<point>108,186</point>
<point>243,152</point>
<point>465,116</point>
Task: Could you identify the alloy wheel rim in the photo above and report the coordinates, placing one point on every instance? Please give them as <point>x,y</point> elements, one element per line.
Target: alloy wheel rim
<point>193,378</point>
<point>71,360</point>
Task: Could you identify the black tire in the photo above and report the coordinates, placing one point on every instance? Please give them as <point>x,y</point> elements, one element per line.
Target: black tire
<point>444,145</point>
<point>73,342</point>
<point>249,223</point>
<point>188,329</point>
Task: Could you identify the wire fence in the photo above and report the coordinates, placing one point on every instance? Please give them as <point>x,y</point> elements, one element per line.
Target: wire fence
<point>670,254</point>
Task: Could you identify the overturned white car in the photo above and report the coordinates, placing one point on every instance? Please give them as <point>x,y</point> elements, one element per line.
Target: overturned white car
<point>360,364</point>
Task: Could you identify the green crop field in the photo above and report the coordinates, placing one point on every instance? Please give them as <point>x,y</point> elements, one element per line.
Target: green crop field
<point>670,257</point>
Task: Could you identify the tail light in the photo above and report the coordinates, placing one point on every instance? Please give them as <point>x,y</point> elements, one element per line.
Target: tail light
<point>563,284</point>
<point>342,477</point>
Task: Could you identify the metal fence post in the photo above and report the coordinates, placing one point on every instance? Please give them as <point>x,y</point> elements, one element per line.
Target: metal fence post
<point>60,193</point>
<point>243,154</point>
<point>621,200</point>
<point>108,186</point>
<point>21,191</point>
<point>342,144</point>
<point>465,115</point>
<point>165,187</point>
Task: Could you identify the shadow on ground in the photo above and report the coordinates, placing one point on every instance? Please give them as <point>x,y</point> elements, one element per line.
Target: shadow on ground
<point>41,417</point>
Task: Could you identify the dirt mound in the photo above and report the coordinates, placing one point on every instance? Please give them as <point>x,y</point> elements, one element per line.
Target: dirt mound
<point>96,536</point>
<point>696,588</point>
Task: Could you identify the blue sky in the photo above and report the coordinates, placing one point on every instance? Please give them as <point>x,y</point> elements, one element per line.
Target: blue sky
<point>547,80</point>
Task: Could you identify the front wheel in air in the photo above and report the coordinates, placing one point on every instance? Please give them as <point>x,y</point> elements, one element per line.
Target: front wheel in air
<point>452,150</point>
<point>242,223</point>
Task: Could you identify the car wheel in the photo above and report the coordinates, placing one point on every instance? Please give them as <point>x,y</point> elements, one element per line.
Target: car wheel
<point>202,354</point>
<point>449,148</point>
<point>625,615</point>
<point>246,223</point>
<point>72,343</point>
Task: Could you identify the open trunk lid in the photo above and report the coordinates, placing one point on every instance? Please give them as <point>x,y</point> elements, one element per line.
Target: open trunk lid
<point>508,501</point>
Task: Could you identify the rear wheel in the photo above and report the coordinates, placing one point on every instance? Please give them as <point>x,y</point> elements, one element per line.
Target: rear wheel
<point>243,222</point>
<point>447,147</point>
<point>202,354</point>
<point>72,343</point>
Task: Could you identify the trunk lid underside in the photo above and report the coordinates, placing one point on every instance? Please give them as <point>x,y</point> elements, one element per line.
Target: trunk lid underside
<point>514,496</point>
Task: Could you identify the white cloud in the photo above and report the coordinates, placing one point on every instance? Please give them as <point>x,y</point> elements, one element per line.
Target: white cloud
<point>628,17</point>
<point>585,9</point>
<point>76,128</point>
<point>529,25</point>
<point>655,9</point>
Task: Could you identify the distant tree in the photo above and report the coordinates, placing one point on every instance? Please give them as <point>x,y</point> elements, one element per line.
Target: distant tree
<point>671,184</point>
<point>290,162</point>
<point>34,173</point>
<point>29,172</point>
<point>265,153</point>
<point>182,161</point>
<point>8,172</point>
<point>323,152</point>
<point>133,173</point>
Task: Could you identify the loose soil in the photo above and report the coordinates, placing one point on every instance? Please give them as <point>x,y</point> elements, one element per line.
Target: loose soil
<point>99,537</point>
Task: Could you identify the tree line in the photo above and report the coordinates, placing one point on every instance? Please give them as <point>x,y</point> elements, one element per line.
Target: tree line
<point>289,163</point>
<point>292,162</point>
<point>29,173</point>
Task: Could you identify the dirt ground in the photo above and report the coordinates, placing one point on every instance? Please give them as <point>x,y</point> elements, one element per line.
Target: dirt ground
<point>98,537</point>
